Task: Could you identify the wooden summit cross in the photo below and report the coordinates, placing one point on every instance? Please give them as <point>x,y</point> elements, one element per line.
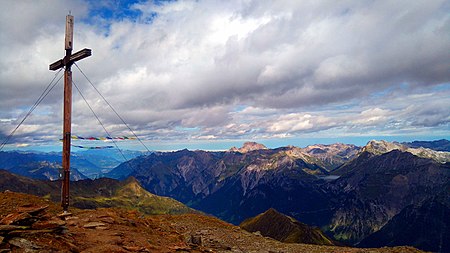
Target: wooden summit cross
<point>67,62</point>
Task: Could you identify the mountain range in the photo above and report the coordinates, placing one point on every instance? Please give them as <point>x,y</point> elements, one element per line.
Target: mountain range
<point>438,145</point>
<point>354,194</point>
<point>84,164</point>
<point>347,191</point>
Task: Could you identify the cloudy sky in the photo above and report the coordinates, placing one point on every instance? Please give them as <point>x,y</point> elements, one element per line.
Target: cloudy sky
<point>211,74</point>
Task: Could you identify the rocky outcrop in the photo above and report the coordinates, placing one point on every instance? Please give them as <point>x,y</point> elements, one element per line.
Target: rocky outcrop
<point>28,220</point>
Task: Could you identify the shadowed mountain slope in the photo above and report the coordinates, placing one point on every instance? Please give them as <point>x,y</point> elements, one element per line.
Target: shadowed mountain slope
<point>285,229</point>
<point>374,188</point>
<point>425,226</point>
<point>90,194</point>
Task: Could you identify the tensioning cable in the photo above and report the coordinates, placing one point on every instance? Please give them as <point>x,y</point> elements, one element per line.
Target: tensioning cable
<point>99,121</point>
<point>112,108</point>
<point>47,90</point>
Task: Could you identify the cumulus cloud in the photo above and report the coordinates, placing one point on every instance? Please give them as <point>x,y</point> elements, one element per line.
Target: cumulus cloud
<point>295,122</point>
<point>233,69</point>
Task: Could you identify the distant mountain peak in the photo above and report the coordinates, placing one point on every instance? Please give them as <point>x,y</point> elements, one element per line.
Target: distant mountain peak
<point>132,187</point>
<point>438,145</point>
<point>249,146</point>
<point>284,228</point>
<point>381,147</point>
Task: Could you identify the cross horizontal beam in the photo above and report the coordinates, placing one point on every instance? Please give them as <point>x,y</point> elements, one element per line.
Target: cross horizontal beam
<point>73,58</point>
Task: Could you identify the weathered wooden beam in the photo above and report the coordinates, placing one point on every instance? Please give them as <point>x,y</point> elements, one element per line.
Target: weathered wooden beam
<point>80,55</point>
<point>67,62</point>
<point>73,58</point>
<point>69,32</point>
<point>67,129</point>
<point>56,65</point>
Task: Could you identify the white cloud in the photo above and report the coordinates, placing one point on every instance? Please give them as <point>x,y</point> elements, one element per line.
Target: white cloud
<point>232,69</point>
<point>373,116</point>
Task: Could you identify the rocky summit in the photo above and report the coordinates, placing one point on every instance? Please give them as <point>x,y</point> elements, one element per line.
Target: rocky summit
<point>39,227</point>
<point>382,147</point>
<point>248,146</point>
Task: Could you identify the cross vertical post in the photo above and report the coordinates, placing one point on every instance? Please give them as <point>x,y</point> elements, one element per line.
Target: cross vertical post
<point>67,63</point>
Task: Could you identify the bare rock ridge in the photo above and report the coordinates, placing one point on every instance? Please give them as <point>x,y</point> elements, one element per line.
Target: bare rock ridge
<point>438,145</point>
<point>382,147</point>
<point>285,229</point>
<point>333,155</point>
<point>248,146</point>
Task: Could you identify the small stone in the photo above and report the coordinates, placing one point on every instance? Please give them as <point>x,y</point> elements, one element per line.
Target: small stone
<point>107,219</point>
<point>7,228</point>
<point>51,224</point>
<point>23,243</point>
<point>33,210</point>
<point>133,248</point>
<point>94,224</point>
<point>204,232</point>
<point>180,248</point>
<point>71,223</point>
<point>72,218</point>
<point>196,240</point>
<point>258,233</point>
<point>29,232</point>
<point>64,215</point>
<point>71,246</point>
<point>15,218</point>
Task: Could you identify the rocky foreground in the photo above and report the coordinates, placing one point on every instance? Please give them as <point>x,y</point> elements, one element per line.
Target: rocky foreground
<point>33,224</point>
